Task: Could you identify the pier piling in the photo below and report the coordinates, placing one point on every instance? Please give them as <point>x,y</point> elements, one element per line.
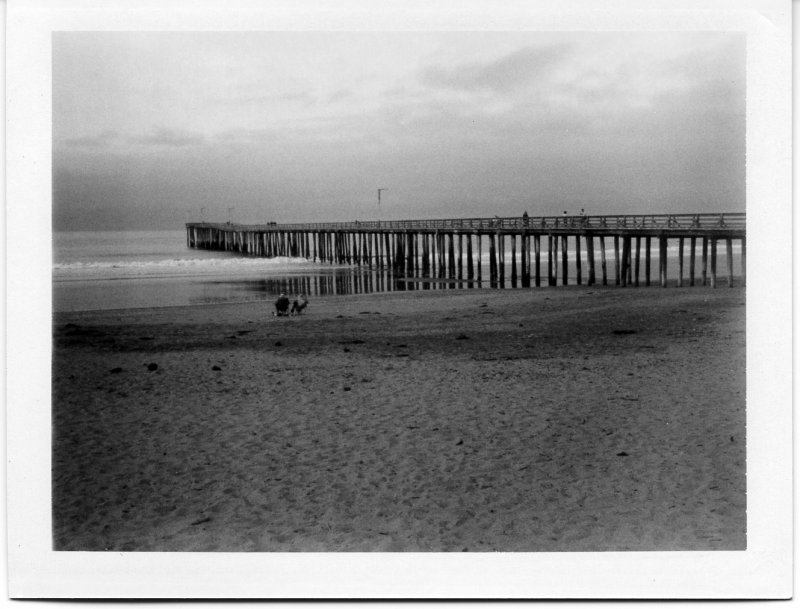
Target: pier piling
<point>428,247</point>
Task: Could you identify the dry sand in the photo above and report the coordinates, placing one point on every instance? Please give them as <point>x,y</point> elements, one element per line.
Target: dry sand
<point>564,419</point>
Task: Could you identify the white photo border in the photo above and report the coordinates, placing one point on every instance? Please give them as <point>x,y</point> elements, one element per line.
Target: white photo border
<point>764,570</point>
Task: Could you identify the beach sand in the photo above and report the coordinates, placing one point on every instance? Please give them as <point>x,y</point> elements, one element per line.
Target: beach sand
<point>568,419</point>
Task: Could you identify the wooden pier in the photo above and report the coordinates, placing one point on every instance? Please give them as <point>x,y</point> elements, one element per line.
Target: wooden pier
<point>453,248</point>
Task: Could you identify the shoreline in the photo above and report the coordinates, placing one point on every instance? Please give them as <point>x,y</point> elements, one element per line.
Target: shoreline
<point>485,420</point>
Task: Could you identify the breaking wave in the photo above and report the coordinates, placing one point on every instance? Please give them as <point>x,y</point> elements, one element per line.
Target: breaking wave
<point>220,263</point>
<point>177,267</point>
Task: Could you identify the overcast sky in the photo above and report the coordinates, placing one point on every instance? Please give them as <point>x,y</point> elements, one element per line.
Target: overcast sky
<point>148,128</point>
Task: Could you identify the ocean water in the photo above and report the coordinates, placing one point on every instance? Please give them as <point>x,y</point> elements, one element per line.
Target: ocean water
<point>133,269</point>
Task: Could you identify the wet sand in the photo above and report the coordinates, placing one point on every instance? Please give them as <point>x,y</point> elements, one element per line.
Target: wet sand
<point>569,419</point>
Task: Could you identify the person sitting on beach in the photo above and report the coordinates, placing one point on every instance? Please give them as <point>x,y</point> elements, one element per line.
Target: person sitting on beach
<point>282,305</point>
<point>299,304</point>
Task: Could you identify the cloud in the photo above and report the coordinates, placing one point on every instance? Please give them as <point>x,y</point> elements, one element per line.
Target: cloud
<point>339,95</point>
<point>114,141</point>
<point>173,138</point>
<point>502,75</point>
<point>101,140</point>
<point>289,97</point>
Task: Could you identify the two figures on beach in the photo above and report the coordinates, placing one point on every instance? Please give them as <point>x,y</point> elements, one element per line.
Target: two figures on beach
<point>283,302</point>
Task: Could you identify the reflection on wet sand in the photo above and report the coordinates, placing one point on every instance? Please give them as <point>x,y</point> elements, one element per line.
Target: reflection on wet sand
<point>344,281</point>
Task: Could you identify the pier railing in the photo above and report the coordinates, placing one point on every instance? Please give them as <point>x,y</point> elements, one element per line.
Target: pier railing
<point>659,222</point>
